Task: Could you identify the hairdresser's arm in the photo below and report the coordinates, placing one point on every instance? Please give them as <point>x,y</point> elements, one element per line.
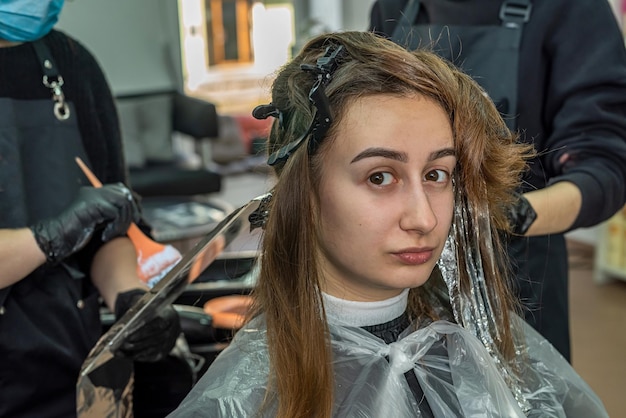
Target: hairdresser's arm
<point>583,109</point>
<point>114,273</point>
<point>557,207</point>
<point>114,270</point>
<point>19,255</point>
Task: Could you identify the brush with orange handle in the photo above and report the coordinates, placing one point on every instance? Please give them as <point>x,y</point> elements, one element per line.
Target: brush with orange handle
<point>154,260</point>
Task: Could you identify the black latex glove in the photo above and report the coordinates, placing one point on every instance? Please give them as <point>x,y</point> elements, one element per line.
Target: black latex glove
<point>154,340</point>
<point>111,206</point>
<point>521,216</point>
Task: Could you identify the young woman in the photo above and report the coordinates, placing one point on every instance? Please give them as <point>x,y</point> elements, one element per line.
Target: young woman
<point>382,290</point>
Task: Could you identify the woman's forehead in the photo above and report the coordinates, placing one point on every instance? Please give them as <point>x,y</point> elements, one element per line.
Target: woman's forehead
<point>394,121</point>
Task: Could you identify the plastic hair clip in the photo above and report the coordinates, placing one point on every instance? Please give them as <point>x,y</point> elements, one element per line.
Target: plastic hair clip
<point>265,111</point>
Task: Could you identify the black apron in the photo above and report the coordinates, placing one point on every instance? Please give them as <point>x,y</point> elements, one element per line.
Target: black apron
<point>490,54</point>
<point>49,320</point>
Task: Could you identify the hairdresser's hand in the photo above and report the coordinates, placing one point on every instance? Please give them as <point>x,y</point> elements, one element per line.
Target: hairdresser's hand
<point>111,205</point>
<point>154,340</point>
<point>521,215</point>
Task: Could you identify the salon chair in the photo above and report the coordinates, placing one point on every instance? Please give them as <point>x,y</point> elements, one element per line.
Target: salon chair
<point>176,198</point>
<point>148,122</point>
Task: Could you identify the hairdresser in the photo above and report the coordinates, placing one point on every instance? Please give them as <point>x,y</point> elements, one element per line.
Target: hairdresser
<point>563,90</point>
<point>63,247</point>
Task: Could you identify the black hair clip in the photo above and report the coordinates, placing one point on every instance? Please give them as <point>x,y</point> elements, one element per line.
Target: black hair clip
<point>265,111</point>
<point>326,65</point>
<point>323,69</point>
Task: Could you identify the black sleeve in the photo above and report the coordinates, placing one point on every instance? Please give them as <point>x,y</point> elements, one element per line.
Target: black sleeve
<point>375,19</point>
<point>384,15</point>
<point>586,105</point>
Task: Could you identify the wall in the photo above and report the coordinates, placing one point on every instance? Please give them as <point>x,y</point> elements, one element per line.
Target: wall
<point>356,14</point>
<point>135,41</point>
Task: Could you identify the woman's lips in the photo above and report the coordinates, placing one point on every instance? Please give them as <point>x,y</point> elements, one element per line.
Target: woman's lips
<point>414,257</point>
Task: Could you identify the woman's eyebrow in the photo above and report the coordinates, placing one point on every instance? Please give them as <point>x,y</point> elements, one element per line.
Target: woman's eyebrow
<point>435,155</point>
<point>400,156</point>
<point>381,152</point>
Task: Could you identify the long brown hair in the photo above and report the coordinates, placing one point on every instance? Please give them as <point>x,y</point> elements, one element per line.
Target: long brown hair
<point>288,291</point>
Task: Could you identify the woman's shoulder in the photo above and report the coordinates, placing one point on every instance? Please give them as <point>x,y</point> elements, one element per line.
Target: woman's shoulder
<point>235,382</point>
<point>243,364</point>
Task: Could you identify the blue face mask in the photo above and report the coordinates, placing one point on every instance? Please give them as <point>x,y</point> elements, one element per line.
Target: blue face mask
<point>28,20</point>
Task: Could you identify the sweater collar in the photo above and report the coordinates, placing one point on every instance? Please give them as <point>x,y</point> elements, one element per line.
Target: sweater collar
<point>360,314</point>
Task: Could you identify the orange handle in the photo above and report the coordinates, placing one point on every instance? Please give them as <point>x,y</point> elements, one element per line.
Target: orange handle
<point>145,247</point>
<point>90,175</point>
<point>149,250</point>
<point>228,312</point>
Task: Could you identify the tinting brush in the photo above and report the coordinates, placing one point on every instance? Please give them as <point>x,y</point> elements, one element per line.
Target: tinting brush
<point>154,260</point>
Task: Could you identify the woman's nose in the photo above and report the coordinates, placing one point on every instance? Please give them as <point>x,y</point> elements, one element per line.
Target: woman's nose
<point>418,214</point>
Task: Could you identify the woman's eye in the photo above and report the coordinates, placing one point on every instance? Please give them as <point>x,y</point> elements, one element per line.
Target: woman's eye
<point>438,176</point>
<point>381,179</point>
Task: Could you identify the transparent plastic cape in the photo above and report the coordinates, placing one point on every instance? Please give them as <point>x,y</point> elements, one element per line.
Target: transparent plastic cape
<point>105,383</point>
<point>457,374</point>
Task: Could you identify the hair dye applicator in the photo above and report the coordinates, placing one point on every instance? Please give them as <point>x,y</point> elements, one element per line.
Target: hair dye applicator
<point>154,260</point>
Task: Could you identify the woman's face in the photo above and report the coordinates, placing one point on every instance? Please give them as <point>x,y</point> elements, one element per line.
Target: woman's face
<point>386,198</point>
